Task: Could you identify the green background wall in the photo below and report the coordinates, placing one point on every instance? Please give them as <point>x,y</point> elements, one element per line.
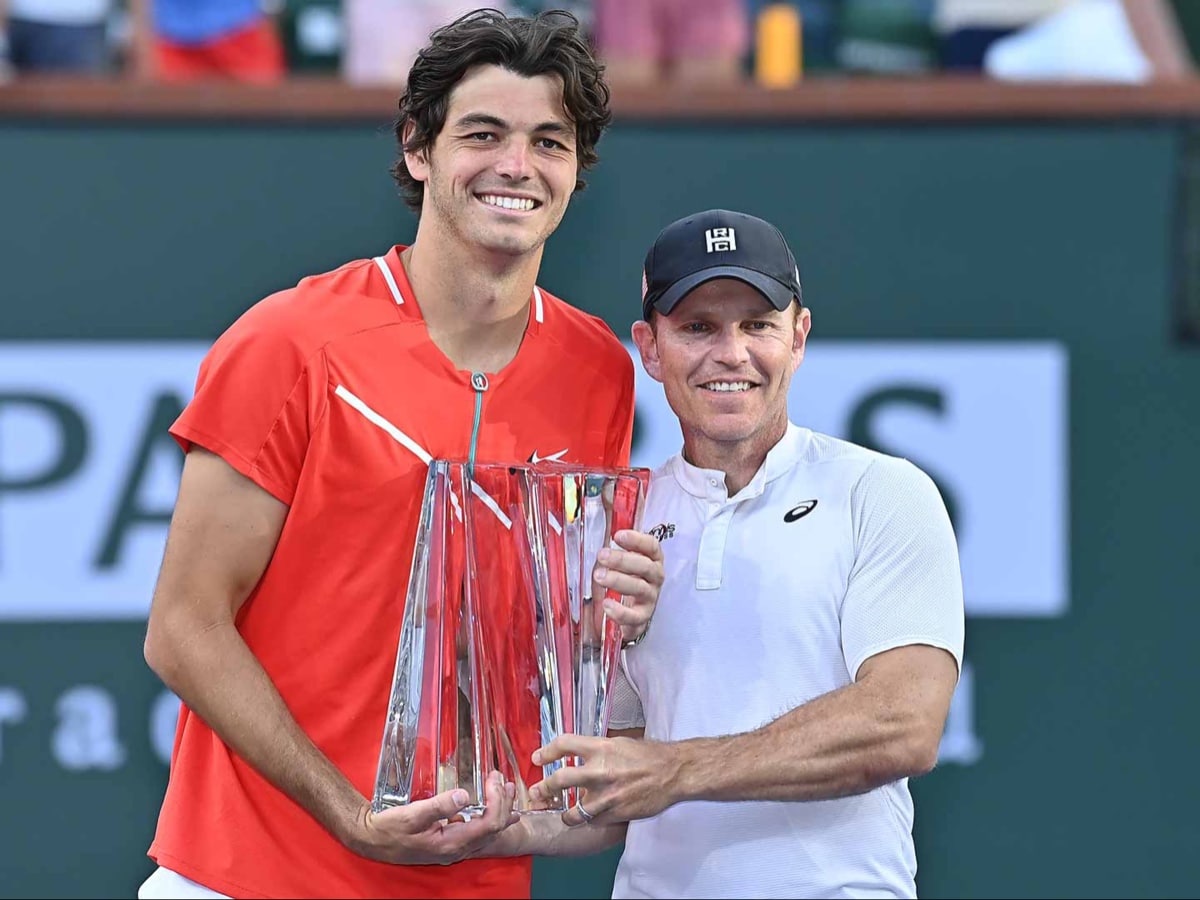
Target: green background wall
<point>1087,786</point>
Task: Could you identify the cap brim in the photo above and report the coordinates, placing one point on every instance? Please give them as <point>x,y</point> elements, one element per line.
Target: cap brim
<point>778,295</point>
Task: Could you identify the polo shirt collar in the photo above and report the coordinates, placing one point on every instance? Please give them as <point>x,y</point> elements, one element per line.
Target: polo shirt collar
<point>709,484</point>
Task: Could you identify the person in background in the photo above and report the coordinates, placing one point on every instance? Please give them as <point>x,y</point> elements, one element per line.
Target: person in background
<point>689,42</point>
<point>966,28</point>
<point>55,36</point>
<point>189,40</point>
<point>382,37</point>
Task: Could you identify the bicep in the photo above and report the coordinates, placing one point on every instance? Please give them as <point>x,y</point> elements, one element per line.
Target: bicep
<point>223,532</point>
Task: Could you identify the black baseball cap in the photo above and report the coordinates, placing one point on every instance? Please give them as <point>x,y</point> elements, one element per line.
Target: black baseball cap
<point>718,243</point>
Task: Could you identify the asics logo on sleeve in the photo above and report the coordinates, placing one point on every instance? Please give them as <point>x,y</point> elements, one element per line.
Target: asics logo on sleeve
<point>799,511</point>
<point>554,457</point>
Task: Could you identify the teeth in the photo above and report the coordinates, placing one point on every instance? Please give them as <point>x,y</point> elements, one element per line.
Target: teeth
<point>519,203</point>
<point>727,387</point>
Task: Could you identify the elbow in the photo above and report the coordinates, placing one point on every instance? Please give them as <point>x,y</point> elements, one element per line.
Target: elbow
<point>154,651</point>
<point>918,754</point>
<point>161,650</point>
<point>923,757</point>
<point>909,751</point>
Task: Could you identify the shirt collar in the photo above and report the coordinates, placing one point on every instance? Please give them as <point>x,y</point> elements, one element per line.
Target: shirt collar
<point>709,484</point>
<point>391,264</point>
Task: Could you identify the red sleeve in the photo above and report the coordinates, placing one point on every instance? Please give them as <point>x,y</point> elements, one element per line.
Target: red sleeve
<point>620,435</point>
<point>258,396</point>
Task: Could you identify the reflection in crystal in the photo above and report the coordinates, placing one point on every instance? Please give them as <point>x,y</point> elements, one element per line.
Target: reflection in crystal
<point>504,643</point>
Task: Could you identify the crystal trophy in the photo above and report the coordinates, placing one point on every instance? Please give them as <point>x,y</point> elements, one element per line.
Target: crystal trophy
<point>504,644</point>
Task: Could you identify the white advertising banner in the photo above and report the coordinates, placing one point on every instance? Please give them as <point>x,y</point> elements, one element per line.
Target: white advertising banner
<point>88,473</point>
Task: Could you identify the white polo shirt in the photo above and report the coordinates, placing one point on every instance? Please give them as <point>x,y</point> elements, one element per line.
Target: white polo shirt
<point>773,597</point>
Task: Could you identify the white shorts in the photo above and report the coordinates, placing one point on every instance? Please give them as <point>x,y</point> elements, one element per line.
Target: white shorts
<point>163,884</point>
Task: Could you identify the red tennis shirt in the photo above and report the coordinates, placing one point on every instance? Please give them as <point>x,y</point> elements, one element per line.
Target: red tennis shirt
<point>332,397</point>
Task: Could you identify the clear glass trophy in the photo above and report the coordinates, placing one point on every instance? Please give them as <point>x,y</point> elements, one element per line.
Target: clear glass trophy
<point>504,644</point>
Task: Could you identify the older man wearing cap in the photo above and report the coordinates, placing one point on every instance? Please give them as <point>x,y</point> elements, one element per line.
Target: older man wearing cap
<point>809,634</point>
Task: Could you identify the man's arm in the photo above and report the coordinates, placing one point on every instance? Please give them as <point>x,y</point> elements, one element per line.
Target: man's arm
<point>885,726</point>
<point>139,60</point>
<point>222,535</point>
<point>1156,28</point>
<point>5,65</point>
<point>544,834</point>
<point>548,835</point>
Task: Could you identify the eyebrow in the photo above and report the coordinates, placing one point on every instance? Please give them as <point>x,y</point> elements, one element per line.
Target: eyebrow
<point>553,127</point>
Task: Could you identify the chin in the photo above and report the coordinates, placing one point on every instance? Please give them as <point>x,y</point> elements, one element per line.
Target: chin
<point>734,429</point>
<point>513,244</point>
<point>724,433</point>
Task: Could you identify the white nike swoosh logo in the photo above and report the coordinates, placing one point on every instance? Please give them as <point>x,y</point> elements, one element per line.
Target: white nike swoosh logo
<point>554,457</point>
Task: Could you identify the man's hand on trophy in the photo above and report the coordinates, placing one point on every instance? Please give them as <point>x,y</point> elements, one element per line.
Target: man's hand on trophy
<point>434,831</point>
<point>632,569</point>
<point>621,779</point>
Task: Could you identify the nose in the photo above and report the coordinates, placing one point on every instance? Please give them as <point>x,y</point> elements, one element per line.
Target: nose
<point>731,348</point>
<point>512,163</point>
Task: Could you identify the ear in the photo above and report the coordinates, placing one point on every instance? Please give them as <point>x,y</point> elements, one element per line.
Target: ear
<point>800,336</point>
<point>417,161</point>
<point>647,344</point>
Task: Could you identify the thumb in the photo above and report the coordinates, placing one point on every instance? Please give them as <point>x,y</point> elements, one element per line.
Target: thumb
<point>445,805</point>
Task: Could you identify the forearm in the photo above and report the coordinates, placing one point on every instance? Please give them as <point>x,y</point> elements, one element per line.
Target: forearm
<point>845,742</point>
<point>544,834</point>
<point>216,675</point>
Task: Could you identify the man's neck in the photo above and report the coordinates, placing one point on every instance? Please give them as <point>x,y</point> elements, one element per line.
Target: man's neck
<point>738,460</point>
<point>475,305</point>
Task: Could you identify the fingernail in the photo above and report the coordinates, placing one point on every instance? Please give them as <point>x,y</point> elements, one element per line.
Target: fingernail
<point>537,757</point>
<point>605,555</point>
<point>460,798</point>
<point>601,573</point>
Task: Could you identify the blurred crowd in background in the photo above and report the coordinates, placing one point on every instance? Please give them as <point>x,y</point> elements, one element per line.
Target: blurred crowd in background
<point>699,42</point>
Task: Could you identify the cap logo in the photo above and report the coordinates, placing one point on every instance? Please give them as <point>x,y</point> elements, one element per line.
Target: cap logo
<point>720,240</point>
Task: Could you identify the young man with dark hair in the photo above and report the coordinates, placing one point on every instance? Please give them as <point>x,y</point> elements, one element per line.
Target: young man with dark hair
<point>279,603</point>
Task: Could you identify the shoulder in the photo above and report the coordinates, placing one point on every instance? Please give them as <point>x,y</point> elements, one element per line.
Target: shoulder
<point>821,450</point>
<point>866,473</point>
<point>302,319</point>
<point>881,484</point>
<point>895,477</point>
<point>573,327</point>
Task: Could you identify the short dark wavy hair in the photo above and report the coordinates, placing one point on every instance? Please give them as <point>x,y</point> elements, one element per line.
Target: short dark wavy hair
<point>550,43</point>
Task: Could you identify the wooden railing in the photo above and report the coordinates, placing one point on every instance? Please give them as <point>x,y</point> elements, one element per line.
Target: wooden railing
<point>817,99</point>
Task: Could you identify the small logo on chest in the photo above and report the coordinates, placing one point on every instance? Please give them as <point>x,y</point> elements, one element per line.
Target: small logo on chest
<point>662,532</point>
<point>553,457</point>
<point>799,511</point>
